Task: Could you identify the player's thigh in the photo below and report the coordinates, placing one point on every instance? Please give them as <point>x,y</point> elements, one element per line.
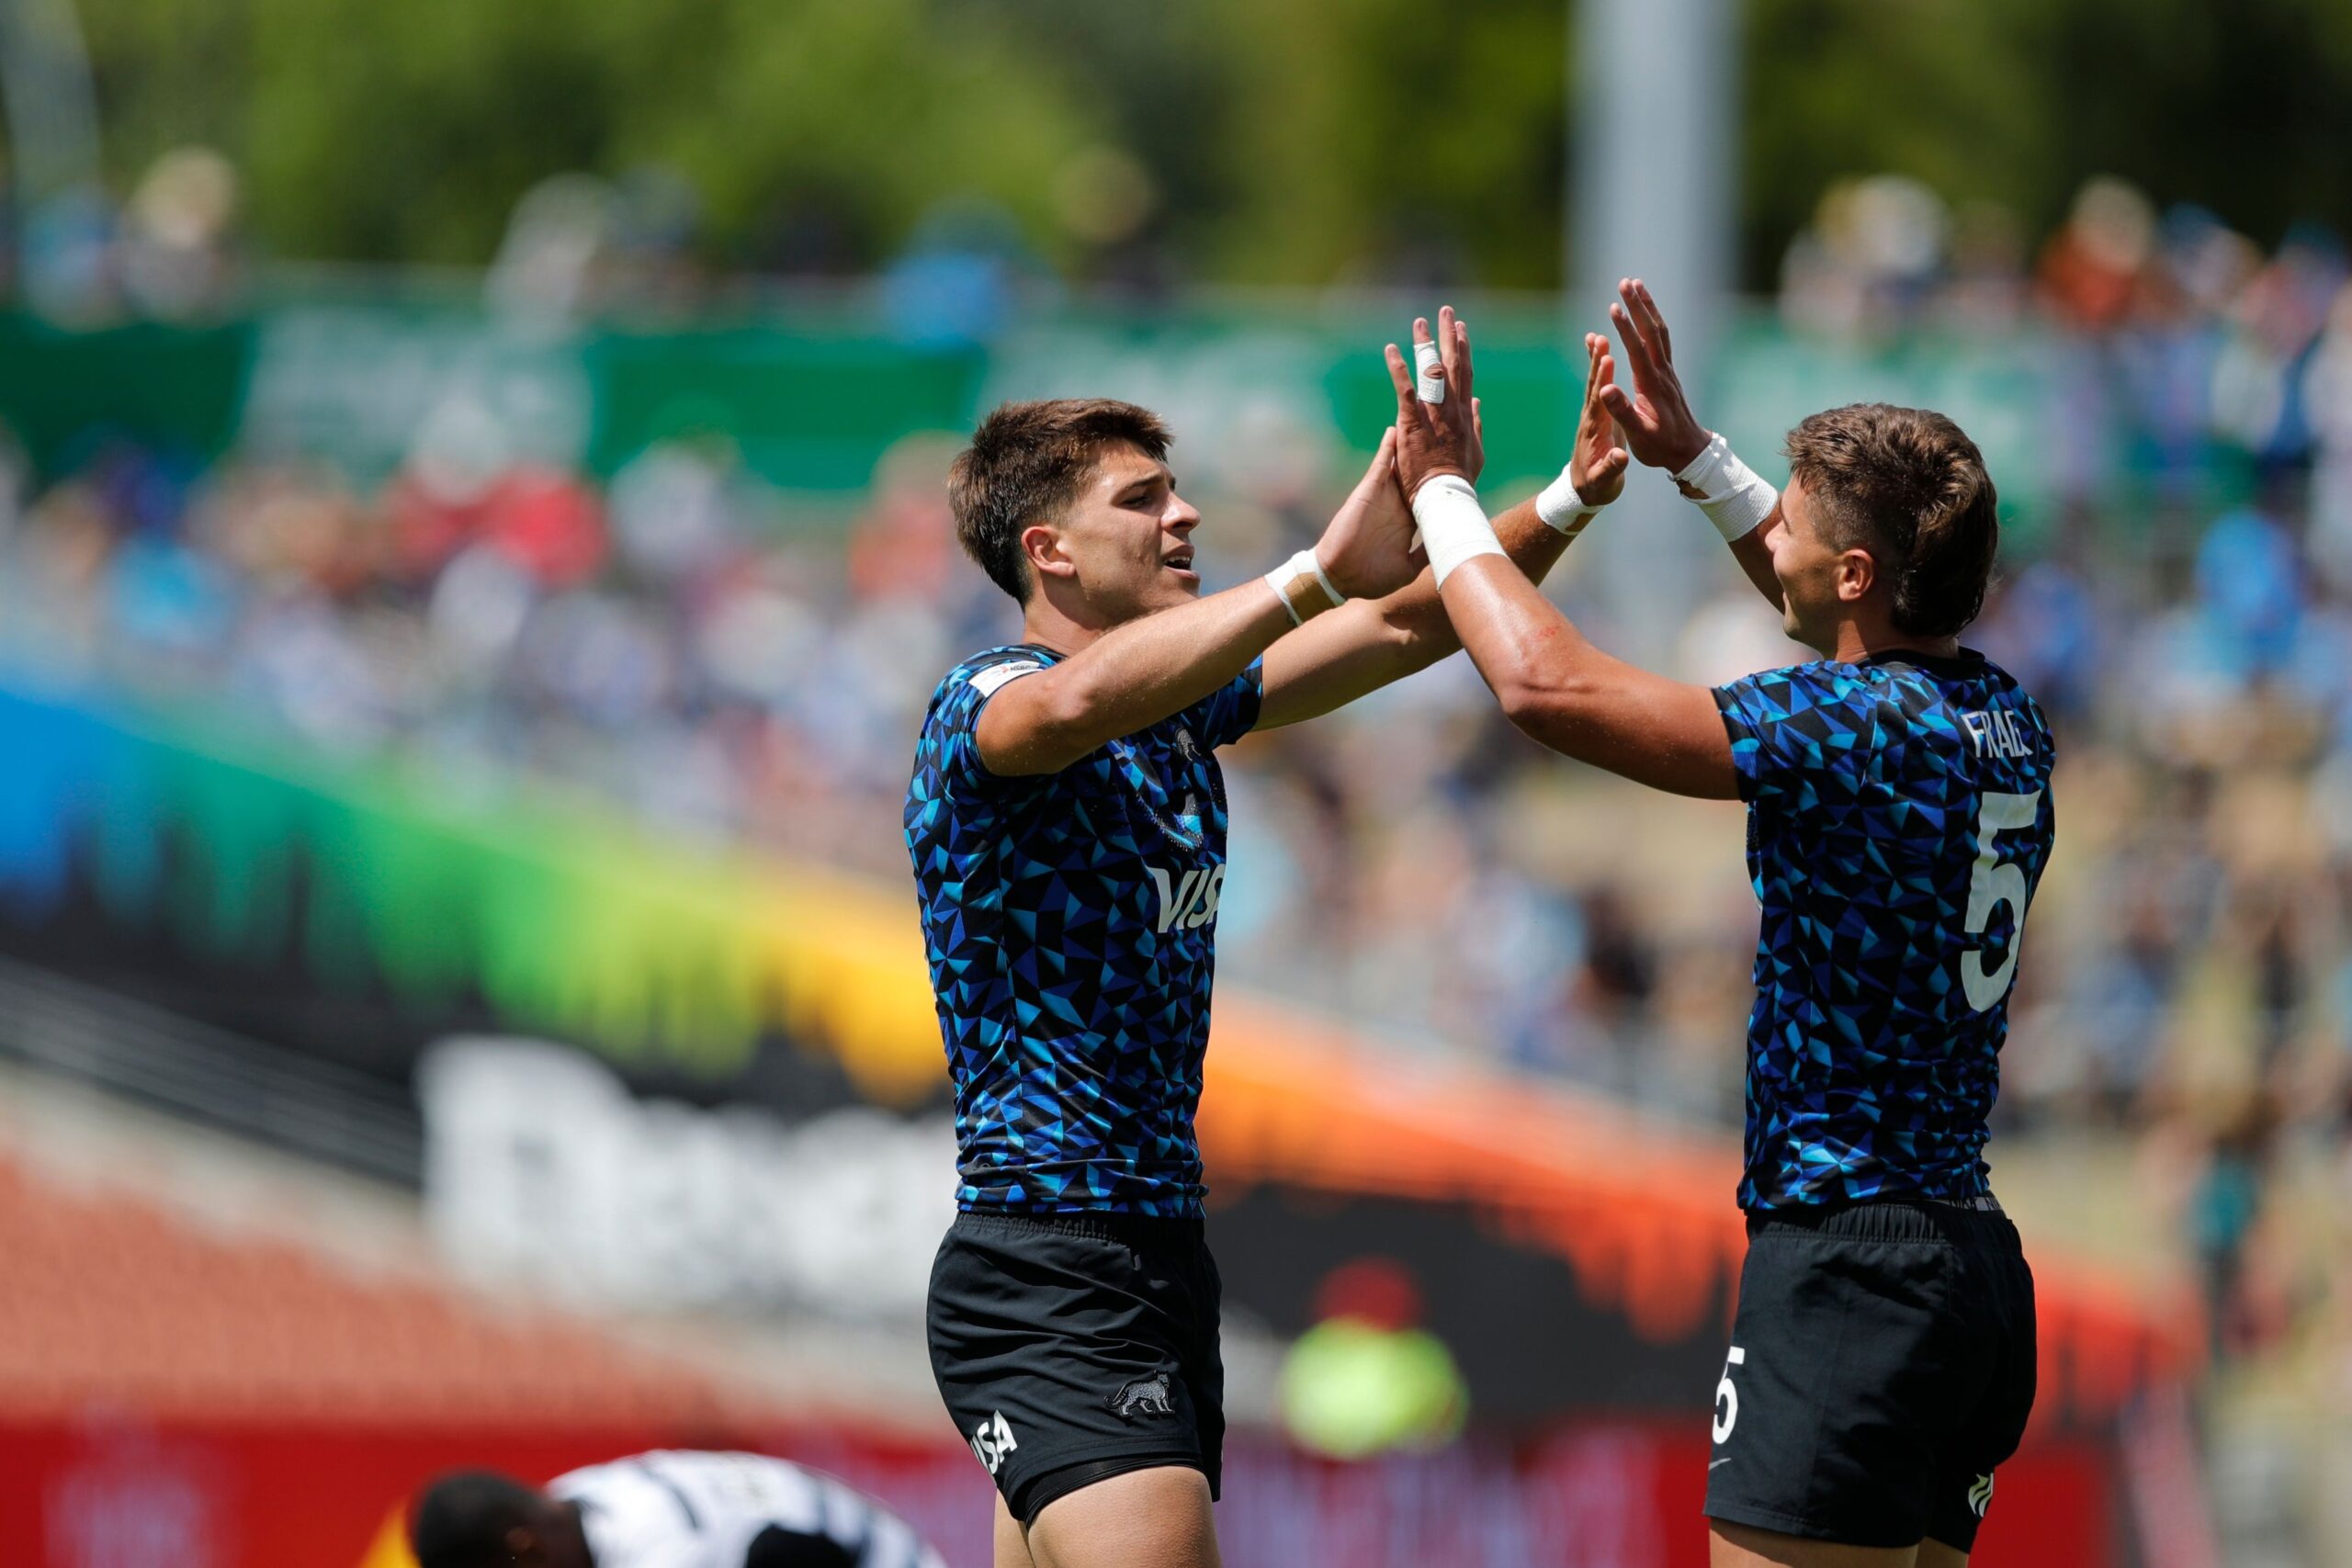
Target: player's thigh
<point>1744,1546</point>
<point>1158,1517</point>
<point>1934,1553</point>
<point>1011,1540</point>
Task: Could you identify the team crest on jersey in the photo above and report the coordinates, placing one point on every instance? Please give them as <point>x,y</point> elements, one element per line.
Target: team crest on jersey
<point>1143,1396</point>
<point>1979,1495</point>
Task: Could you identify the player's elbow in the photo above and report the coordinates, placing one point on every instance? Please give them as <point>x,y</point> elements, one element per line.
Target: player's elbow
<point>1541,704</point>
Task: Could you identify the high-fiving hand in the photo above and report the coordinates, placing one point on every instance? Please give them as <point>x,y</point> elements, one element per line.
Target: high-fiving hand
<point>1437,438</point>
<point>1596,465</point>
<point>1368,550</point>
<point>1655,416</point>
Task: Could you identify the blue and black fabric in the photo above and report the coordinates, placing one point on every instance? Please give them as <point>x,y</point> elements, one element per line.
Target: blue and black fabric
<point>1070,923</point>
<point>1899,820</point>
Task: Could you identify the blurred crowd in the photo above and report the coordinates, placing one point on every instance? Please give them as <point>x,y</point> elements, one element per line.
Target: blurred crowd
<point>678,641</point>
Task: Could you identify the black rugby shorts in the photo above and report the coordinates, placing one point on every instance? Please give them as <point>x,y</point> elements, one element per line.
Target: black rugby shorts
<point>1881,1369</point>
<point>1071,1347</point>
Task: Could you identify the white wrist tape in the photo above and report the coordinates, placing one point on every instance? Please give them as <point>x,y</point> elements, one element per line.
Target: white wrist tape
<point>1732,495</point>
<point>1453,525</point>
<point>1562,509</point>
<point>1426,387</point>
<point>1296,583</point>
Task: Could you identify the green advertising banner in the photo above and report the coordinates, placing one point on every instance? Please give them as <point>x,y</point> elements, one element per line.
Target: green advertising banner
<point>813,399</point>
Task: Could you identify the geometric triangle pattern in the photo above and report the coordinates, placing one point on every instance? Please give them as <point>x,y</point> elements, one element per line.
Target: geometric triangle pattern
<point>1070,923</point>
<point>1899,819</point>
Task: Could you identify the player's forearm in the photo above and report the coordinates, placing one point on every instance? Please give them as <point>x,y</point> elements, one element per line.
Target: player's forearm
<point>1130,679</point>
<point>1742,506</point>
<point>1417,614</point>
<point>1366,644</point>
<point>1755,558</point>
<point>1563,693</point>
<point>1526,650</point>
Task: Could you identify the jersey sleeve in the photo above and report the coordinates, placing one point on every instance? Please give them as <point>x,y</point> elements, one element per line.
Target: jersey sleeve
<point>1230,712</point>
<point>951,743</point>
<point>1789,727</point>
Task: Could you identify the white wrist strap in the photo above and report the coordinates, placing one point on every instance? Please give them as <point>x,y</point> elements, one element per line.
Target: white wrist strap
<point>1733,498</point>
<point>1453,525</point>
<point>1562,509</point>
<point>1297,581</point>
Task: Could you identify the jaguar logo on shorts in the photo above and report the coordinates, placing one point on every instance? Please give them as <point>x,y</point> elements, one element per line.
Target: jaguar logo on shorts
<point>992,1440</point>
<point>1980,1496</point>
<point>1143,1396</point>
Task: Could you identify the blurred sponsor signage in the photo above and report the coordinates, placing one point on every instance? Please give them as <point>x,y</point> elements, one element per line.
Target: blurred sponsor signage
<point>540,1164</point>
<point>1265,399</point>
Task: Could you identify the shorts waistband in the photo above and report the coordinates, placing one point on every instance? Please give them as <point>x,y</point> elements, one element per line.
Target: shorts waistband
<point>1892,1218</point>
<point>1134,1230</point>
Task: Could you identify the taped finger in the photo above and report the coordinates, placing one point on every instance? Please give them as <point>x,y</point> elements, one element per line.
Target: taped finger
<point>1429,382</point>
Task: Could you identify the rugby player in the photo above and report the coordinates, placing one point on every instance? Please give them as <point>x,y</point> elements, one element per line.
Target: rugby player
<point>665,1509</point>
<point>1881,1362</point>
<point>1067,823</point>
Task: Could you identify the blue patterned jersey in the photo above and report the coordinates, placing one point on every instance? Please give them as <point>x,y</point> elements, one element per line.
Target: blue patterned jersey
<point>1070,920</point>
<point>1899,817</point>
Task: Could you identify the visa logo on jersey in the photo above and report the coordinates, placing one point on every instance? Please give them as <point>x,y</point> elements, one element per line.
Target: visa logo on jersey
<point>1190,902</point>
<point>993,1441</point>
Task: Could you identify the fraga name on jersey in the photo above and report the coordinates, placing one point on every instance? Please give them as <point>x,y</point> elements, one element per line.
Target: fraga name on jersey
<point>2000,732</point>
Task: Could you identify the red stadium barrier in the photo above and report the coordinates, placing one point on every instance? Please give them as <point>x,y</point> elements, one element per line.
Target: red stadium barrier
<point>106,1494</point>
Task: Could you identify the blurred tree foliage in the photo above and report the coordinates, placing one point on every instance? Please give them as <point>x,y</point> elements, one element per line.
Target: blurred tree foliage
<point>1288,140</point>
<point>2245,107</point>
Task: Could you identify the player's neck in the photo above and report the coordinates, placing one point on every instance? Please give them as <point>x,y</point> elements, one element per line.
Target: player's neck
<point>1857,642</point>
<point>1045,624</point>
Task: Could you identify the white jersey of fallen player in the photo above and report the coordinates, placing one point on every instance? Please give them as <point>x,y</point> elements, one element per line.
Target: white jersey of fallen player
<point>672,1508</point>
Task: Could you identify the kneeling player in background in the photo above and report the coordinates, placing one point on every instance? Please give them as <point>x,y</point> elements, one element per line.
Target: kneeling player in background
<point>664,1509</point>
<point>1899,817</point>
<point>1067,824</point>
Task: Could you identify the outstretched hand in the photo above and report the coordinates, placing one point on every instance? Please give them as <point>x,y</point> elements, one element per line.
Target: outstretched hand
<point>1368,550</point>
<point>1655,416</point>
<point>1596,465</point>
<point>1437,438</point>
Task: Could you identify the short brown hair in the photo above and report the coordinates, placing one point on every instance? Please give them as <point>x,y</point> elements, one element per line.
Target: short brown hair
<point>1027,460</point>
<point>1909,487</point>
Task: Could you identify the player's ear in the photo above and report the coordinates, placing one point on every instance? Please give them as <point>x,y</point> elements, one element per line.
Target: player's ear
<point>1855,572</point>
<point>1043,547</point>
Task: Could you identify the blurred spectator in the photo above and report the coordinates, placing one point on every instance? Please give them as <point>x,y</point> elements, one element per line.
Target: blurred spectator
<point>177,229</point>
<point>2225,1205</point>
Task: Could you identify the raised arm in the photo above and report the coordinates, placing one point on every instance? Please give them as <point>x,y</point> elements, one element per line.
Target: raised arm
<point>1136,674</point>
<point>1664,434</point>
<point>1552,683</point>
<point>1366,644</point>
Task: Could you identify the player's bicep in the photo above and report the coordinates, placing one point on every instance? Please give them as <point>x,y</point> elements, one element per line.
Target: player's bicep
<point>1022,723</point>
<point>1663,733</point>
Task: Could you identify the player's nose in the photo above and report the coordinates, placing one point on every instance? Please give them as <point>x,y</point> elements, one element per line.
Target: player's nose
<point>1183,515</point>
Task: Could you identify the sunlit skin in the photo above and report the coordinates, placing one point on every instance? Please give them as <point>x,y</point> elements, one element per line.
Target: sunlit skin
<point>1830,599</point>
<point>1122,548</point>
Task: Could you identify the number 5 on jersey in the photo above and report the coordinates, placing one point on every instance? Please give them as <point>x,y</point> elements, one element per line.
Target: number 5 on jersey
<point>1991,884</point>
